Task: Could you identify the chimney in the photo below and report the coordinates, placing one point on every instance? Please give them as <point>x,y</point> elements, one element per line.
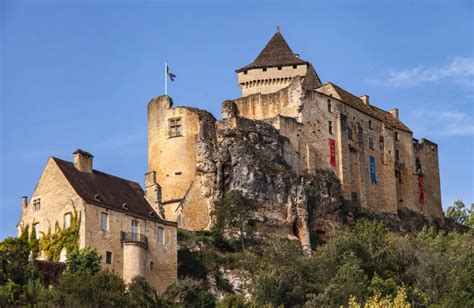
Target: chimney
<point>365,99</point>
<point>153,193</point>
<point>394,113</point>
<point>24,202</point>
<point>83,161</point>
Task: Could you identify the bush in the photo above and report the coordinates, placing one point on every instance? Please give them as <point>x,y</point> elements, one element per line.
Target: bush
<point>189,293</point>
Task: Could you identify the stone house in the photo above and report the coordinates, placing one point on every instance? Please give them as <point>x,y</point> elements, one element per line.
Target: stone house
<point>373,153</point>
<point>114,216</point>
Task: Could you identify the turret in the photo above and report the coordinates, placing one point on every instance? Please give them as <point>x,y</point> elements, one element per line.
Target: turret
<point>273,69</point>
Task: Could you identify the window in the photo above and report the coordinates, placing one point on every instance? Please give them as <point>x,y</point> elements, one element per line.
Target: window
<point>174,127</point>
<point>371,143</point>
<point>135,226</point>
<point>370,124</point>
<point>397,155</point>
<point>279,68</point>
<point>397,137</point>
<point>330,128</point>
<point>160,236</point>
<point>381,143</point>
<point>350,133</point>
<point>36,204</point>
<point>67,220</point>
<point>329,105</point>
<point>294,66</point>
<point>264,69</point>
<point>108,257</point>
<point>151,265</point>
<point>245,72</point>
<point>104,223</point>
<point>36,227</point>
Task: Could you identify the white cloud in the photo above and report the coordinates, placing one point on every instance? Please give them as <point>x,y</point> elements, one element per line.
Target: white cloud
<point>443,123</point>
<point>459,70</point>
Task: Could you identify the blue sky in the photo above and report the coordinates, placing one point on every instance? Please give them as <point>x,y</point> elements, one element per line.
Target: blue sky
<point>79,74</point>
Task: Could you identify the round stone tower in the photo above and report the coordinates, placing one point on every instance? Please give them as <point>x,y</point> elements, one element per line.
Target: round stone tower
<point>134,255</point>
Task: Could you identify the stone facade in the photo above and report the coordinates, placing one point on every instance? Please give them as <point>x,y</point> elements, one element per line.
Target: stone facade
<point>373,154</point>
<point>63,189</point>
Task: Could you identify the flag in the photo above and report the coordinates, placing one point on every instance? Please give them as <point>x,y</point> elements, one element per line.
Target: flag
<point>332,152</point>
<point>169,73</point>
<point>373,177</point>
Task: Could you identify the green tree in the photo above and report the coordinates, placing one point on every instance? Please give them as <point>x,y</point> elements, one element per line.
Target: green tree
<point>86,260</point>
<point>458,212</point>
<point>80,289</point>
<point>235,213</point>
<point>141,294</point>
<point>189,293</point>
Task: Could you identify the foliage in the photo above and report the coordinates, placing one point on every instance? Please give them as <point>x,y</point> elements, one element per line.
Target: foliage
<point>189,293</point>
<point>53,243</point>
<point>141,294</point>
<point>81,289</point>
<point>460,214</point>
<point>376,301</point>
<point>83,260</point>
<point>235,213</point>
<point>33,242</point>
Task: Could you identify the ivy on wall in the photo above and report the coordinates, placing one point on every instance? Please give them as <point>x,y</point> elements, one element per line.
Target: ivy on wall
<point>53,243</point>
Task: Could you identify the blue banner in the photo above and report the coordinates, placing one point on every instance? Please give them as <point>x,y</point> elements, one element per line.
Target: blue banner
<point>373,177</point>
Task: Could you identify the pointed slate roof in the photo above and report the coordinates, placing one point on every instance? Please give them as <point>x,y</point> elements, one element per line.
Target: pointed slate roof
<point>276,53</point>
<point>109,191</point>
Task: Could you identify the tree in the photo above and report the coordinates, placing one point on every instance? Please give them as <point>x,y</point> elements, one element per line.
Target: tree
<point>235,213</point>
<point>86,260</point>
<point>142,294</point>
<point>80,289</point>
<point>458,212</point>
<point>189,293</point>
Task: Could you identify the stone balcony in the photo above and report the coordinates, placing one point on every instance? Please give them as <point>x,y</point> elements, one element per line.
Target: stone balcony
<point>134,238</point>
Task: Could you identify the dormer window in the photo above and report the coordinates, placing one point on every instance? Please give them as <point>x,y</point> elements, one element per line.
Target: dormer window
<point>174,127</point>
<point>245,72</point>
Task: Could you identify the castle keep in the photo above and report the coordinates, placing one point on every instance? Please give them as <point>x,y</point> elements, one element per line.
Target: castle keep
<point>320,125</point>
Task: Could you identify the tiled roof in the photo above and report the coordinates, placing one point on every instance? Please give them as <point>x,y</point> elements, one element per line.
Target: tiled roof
<point>108,191</point>
<point>276,53</point>
<point>355,102</point>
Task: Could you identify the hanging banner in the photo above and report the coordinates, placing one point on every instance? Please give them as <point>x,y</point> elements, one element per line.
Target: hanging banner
<point>373,177</point>
<point>421,189</point>
<point>332,152</point>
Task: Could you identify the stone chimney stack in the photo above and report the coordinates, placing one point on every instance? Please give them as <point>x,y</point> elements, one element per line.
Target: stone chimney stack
<point>24,202</point>
<point>153,193</point>
<point>83,161</point>
<point>394,113</point>
<point>365,99</point>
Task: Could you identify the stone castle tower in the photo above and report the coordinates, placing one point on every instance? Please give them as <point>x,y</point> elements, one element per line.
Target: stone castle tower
<point>322,126</point>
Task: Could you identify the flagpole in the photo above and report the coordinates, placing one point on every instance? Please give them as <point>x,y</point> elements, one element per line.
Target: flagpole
<point>166,79</point>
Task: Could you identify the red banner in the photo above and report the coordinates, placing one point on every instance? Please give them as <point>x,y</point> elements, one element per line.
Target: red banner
<point>421,189</point>
<point>332,152</point>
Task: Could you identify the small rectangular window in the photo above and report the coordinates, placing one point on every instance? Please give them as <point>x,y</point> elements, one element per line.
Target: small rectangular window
<point>294,66</point>
<point>67,220</point>
<point>36,227</point>
<point>350,133</point>
<point>371,143</point>
<point>160,236</point>
<point>104,223</point>
<point>151,265</point>
<point>329,105</point>
<point>330,128</point>
<point>397,137</point>
<point>36,204</point>
<point>279,68</point>
<point>397,155</point>
<point>381,143</point>
<point>264,69</point>
<point>245,72</point>
<point>108,257</point>
<point>370,124</point>
<point>174,127</point>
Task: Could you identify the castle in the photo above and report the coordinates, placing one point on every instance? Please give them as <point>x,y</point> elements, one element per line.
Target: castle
<point>285,109</point>
<point>372,152</point>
